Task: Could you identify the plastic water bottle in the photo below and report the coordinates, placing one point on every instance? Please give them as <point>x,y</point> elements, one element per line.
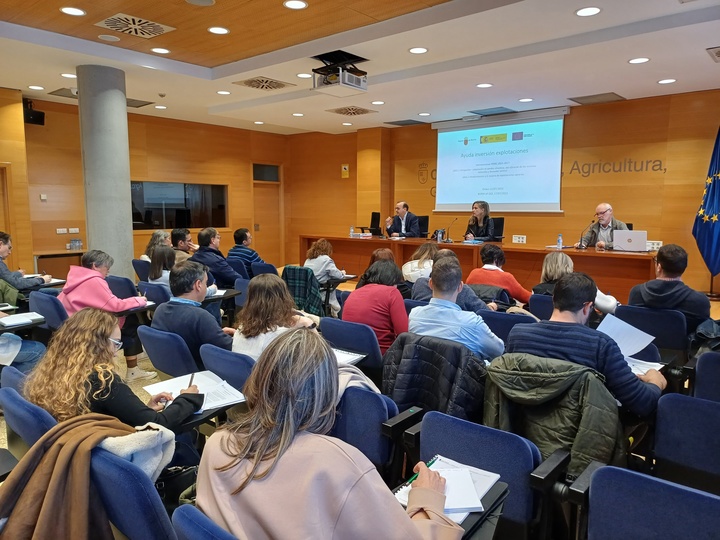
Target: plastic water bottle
<point>352,231</point>
<point>559,242</point>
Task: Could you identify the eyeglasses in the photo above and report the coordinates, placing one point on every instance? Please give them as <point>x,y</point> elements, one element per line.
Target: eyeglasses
<point>591,304</point>
<point>655,260</point>
<point>598,214</point>
<point>118,344</point>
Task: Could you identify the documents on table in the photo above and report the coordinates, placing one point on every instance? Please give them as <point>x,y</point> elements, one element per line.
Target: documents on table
<point>4,306</point>
<point>347,357</point>
<point>630,340</point>
<point>219,292</point>
<point>464,487</point>
<point>20,319</point>
<point>218,393</point>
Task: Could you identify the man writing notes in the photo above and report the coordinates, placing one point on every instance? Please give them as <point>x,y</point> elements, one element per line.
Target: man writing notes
<point>600,234</point>
<point>404,224</point>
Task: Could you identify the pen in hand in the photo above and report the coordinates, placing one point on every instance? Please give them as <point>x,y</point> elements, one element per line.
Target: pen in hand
<point>414,476</point>
<point>192,376</point>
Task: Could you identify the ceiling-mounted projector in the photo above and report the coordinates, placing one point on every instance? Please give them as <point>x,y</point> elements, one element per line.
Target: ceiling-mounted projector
<point>339,76</point>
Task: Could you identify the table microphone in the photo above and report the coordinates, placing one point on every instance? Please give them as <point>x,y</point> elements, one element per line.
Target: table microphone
<point>448,240</point>
<point>582,246</point>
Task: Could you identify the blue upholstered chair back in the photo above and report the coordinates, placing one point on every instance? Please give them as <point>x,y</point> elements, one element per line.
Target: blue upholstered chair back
<point>687,441</point>
<point>142,269</point>
<point>130,498</point>
<point>11,377</point>
<point>509,455</point>
<point>168,352</point>
<point>49,307</point>
<point>358,422</point>
<point>668,326</point>
<point>26,419</point>
<point>241,285</point>
<point>541,306</point>
<point>707,376</point>
<point>191,524</point>
<point>232,367</point>
<point>352,336</point>
<point>410,304</point>
<point>629,505</point>
<point>648,354</point>
<point>263,268</point>
<point>121,287</point>
<point>501,323</point>
<point>155,292</point>
<point>239,267</point>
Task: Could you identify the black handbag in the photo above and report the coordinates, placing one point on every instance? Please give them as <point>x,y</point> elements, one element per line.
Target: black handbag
<point>172,482</point>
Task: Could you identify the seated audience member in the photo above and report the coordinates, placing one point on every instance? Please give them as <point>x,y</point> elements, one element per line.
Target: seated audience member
<point>404,224</point>
<point>443,318</point>
<point>319,261</point>
<point>268,312</point>
<point>183,314</point>
<point>480,226</point>
<point>243,252</point>
<point>384,254</point>
<point>78,376</point>
<point>466,299</point>
<point>491,273</point>
<point>420,264</point>
<point>379,304</point>
<point>162,261</point>
<point>668,291</point>
<point>16,279</point>
<point>22,354</point>
<point>600,233</point>
<point>566,337</point>
<point>209,254</point>
<point>243,476</point>
<point>182,244</point>
<point>158,238</point>
<point>86,287</point>
<point>557,264</point>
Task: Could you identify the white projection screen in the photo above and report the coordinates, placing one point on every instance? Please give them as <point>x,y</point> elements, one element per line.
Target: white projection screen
<point>516,167</point>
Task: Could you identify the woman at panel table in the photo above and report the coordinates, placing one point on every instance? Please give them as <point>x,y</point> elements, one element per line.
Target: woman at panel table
<point>480,225</point>
<point>274,473</point>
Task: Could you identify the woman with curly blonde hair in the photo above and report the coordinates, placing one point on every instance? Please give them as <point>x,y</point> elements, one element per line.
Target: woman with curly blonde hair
<point>78,375</point>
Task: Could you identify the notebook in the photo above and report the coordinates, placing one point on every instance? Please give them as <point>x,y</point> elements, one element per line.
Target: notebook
<point>630,240</point>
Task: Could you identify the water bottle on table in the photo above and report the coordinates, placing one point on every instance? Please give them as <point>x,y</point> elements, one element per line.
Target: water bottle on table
<point>559,242</point>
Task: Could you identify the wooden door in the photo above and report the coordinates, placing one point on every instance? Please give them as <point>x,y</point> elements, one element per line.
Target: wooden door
<point>268,237</point>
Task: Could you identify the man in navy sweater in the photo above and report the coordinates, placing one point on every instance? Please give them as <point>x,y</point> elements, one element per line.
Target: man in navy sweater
<point>209,254</point>
<point>566,337</point>
<point>183,315</point>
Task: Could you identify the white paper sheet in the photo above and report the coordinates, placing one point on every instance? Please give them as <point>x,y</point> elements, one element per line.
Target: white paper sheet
<point>629,339</point>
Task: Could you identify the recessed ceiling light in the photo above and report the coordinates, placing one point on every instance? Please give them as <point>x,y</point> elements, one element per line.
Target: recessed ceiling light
<point>418,50</point>
<point>525,100</point>
<point>298,114</point>
<point>149,67</point>
<point>667,81</point>
<point>378,102</point>
<point>219,30</point>
<point>587,12</point>
<point>107,37</point>
<point>69,75</point>
<point>75,12</point>
<point>160,50</point>
<point>640,60</point>
<point>295,4</point>
<point>304,76</point>
<point>36,87</point>
<point>259,123</point>
<point>347,124</point>
<point>223,92</point>
<point>484,85</point>
<point>161,107</point>
<point>424,114</point>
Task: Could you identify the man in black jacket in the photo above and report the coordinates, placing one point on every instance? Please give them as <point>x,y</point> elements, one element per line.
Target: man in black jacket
<point>404,223</point>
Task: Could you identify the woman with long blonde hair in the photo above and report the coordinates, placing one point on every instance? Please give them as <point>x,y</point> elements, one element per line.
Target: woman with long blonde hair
<point>277,458</point>
<point>480,225</point>
<point>158,238</point>
<point>420,264</point>
<point>78,375</point>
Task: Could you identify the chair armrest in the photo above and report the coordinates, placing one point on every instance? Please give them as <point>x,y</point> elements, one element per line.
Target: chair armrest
<point>549,471</point>
<point>578,490</point>
<point>394,427</point>
<point>411,436</point>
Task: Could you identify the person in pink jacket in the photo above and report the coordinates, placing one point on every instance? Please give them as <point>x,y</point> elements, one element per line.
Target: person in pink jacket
<point>86,287</point>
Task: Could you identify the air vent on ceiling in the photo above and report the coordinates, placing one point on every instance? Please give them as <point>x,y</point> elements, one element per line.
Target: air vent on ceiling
<point>405,123</point>
<point>264,83</point>
<point>714,53</point>
<point>351,110</point>
<point>72,93</point>
<point>607,97</point>
<point>134,26</point>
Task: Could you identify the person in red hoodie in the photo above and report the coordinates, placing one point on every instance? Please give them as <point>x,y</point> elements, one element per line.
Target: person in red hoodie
<point>86,287</point>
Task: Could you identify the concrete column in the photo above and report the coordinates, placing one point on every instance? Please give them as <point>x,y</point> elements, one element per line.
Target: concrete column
<point>106,163</point>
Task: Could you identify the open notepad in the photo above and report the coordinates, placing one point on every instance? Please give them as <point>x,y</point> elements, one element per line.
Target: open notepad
<point>218,393</point>
<point>464,487</point>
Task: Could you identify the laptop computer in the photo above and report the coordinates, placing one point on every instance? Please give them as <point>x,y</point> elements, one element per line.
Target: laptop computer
<point>630,240</point>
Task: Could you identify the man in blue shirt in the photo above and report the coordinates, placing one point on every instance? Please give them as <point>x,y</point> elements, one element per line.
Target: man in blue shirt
<point>443,318</point>
<point>241,251</point>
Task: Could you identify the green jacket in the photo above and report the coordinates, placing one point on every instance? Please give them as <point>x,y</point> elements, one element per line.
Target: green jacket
<point>555,404</point>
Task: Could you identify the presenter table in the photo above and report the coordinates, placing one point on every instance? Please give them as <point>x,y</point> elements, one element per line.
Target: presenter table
<point>614,272</point>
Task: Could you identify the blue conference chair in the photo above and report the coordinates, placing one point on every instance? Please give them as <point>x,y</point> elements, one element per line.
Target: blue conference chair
<point>191,524</point>
<point>24,420</point>
<point>541,305</point>
<point>142,269</point>
<point>155,292</point>
<point>49,307</point>
<point>356,337</point>
<point>629,505</point>
<point>667,326</point>
<point>410,304</point>
<point>263,268</point>
<point>707,376</point>
<point>121,287</point>
<point>501,323</point>
<point>168,352</point>
<point>241,285</point>
<point>11,377</point>
<point>239,267</point>
<point>235,368</point>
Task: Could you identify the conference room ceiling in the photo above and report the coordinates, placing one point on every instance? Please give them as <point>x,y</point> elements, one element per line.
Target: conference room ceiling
<point>537,49</point>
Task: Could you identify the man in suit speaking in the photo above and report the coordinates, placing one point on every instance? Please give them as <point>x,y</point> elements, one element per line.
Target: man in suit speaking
<point>404,223</point>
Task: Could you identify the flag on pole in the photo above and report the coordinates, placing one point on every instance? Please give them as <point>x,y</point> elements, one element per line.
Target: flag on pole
<point>707,229</point>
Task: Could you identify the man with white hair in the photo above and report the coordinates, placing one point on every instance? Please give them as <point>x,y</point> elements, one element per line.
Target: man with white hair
<point>600,234</point>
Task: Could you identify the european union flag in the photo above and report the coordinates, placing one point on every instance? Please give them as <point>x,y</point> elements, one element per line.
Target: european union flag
<point>707,229</point>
